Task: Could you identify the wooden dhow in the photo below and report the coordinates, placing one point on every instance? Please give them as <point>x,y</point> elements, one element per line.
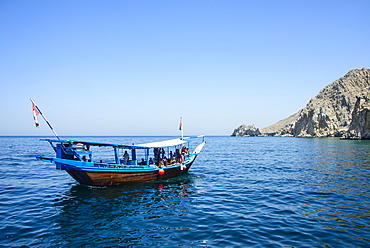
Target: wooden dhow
<point>126,163</point>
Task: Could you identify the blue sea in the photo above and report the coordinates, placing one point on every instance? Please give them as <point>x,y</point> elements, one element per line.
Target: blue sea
<point>240,192</point>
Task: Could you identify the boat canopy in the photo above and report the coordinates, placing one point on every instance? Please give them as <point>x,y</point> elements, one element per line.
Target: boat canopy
<point>166,143</point>
<point>159,144</point>
<point>92,143</point>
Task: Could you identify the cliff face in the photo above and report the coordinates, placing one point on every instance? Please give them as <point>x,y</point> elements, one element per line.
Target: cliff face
<point>340,109</point>
<point>360,125</point>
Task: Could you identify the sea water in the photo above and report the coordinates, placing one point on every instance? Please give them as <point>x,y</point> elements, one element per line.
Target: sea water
<point>240,192</point>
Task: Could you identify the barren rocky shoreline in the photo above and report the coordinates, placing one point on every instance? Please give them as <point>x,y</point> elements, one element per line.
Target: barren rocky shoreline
<point>341,109</point>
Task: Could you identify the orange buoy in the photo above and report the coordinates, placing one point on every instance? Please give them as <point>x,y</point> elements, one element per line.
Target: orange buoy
<point>161,172</point>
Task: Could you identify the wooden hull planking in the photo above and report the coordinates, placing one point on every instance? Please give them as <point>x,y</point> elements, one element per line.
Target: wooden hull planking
<point>96,178</point>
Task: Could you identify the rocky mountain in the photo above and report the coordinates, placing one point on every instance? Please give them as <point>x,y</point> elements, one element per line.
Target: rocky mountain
<point>244,130</point>
<point>341,109</point>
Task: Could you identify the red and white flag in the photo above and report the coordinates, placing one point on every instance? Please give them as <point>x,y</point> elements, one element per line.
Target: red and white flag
<point>35,112</point>
<point>180,128</point>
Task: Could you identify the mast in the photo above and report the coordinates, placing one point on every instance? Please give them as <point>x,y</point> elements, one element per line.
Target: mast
<point>37,108</point>
<point>181,129</point>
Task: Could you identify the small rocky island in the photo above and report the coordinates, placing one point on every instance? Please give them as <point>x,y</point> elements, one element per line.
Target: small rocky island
<point>341,109</point>
<point>244,130</point>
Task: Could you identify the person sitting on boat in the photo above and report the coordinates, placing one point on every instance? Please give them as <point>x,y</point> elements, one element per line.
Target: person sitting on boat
<point>151,161</point>
<point>172,160</point>
<point>185,151</point>
<point>178,156</point>
<point>164,160</point>
<point>160,164</point>
<point>126,157</point>
<point>142,162</point>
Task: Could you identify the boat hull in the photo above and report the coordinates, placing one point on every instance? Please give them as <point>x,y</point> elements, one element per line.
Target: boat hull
<point>106,178</point>
<point>76,157</point>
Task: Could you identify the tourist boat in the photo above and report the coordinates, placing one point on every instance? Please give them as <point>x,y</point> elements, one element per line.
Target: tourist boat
<point>127,163</point>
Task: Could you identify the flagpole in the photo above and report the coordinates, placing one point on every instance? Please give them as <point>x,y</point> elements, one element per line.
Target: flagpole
<point>56,135</point>
<point>182,129</point>
<point>182,133</point>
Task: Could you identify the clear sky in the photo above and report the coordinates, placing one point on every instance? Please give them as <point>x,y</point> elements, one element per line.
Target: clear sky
<point>122,67</point>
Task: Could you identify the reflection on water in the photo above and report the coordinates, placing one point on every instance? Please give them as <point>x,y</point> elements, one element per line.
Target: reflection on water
<point>123,214</point>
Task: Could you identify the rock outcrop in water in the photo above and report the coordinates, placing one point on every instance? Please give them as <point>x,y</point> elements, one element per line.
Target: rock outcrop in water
<point>244,130</point>
<point>341,109</point>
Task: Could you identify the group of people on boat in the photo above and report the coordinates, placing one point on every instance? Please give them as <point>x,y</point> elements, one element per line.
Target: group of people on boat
<point>161,160</point>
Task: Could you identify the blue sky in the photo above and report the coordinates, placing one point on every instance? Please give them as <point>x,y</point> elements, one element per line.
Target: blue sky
<point>134,67</point>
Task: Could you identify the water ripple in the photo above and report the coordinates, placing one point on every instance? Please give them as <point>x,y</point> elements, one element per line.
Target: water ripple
<point>241,192</point>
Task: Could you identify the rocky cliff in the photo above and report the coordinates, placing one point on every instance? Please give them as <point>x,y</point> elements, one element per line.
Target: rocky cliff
<point>360,124</point>
<point>244,130</point>
<point>341,109</point>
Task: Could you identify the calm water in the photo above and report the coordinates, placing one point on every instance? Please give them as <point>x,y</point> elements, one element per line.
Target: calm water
<point>240,192</point>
